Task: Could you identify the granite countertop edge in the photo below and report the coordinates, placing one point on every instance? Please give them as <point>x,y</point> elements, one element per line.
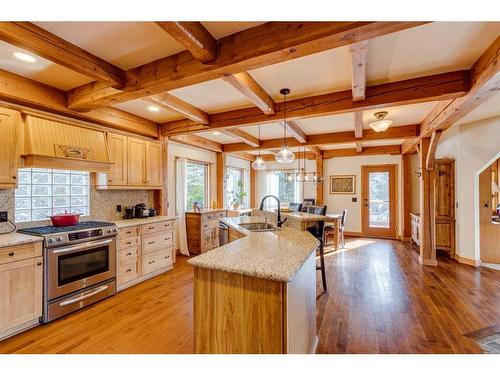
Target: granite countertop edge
<point>14,238</point>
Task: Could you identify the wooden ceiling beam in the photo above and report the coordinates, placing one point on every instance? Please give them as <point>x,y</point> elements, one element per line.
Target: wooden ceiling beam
<point>394,132</point>
<point>246,85</point>
<point>295,131</point>
<point>194,37</point>
<point>431,154</point>
<point>26,92</point>
<point>298,155</point>
<point>175,104</point>
<point>244,156</point>
<point>198,142</point>
<point>32,38</point>
<point>408,146</point>
<point>416,90</point>
<point>485,82</point>
<point>315,150</point>
<point>374,150</point>
<point>359,147</point>
<point>358,124</point>
<point>242,136</point>
<point>358,54</point>
<point>259,46</point>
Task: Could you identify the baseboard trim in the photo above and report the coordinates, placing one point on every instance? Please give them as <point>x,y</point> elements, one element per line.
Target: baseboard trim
<point>353,234</point>
<point>468,261</point>
<point>427,262</point>
<point>21,327</point>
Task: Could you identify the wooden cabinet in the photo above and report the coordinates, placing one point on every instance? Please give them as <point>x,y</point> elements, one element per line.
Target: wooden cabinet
<point>21,287</point>
<point>144,251</point>
<point>137,163</point>
<point>136,166</point>
<point>444,205</point>
<point>9,152</point>
<point>202,229</point>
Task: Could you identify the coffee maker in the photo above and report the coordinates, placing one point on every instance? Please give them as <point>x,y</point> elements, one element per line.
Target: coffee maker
<point>141,211</point>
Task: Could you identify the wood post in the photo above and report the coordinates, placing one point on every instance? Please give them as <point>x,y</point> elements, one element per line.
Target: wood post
<point>253,188</point>
<point>161,196</point>
<point>406,163</point>
<point>427,244</point>
<point>221,178</point>
<point>319,185</point>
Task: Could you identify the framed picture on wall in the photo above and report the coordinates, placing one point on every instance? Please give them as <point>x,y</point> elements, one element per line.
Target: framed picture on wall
<point>343,184</point>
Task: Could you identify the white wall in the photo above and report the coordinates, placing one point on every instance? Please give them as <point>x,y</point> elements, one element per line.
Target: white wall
<point>352,166</point>
<point>232,161</point>
<point>473,146</point>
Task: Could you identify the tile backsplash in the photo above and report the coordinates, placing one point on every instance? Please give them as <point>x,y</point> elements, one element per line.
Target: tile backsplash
<point>102,205</point>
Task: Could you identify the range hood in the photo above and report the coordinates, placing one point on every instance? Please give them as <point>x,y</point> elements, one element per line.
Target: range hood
<point>56,144</point>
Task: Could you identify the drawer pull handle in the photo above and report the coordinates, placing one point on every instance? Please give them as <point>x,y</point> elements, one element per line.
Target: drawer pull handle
<point>39,263</point>
<point>129,270</point>
<point>129,253</point>
<point>129,232</point>
<point>151,227</point>
<point>150,243</point>
<point>168,256</point>
<point>11,254</point>
<point>128,243</point>
<point>151,262</point>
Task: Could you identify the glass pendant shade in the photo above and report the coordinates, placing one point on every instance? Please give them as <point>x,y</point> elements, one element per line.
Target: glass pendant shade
<point>285,156</point>
<point>259,163</point>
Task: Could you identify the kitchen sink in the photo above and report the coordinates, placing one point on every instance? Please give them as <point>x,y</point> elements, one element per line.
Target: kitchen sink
<point>258,227</point>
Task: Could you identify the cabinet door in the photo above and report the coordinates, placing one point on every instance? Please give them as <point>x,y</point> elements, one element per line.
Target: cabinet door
<point>153,164</point>
<point>9,152</point>
<point>118,154</point>
<point>136,155</point>
<point>20,292</point>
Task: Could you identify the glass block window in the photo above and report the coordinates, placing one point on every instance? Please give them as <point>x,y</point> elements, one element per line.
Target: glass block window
<point>44,192</point>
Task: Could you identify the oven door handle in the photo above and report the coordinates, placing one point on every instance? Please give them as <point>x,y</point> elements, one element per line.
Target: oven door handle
<point>84,296</point>
<point>84,246</point>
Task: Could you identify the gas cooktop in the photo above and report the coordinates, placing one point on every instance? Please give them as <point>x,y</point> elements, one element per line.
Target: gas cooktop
<point>50,229</point>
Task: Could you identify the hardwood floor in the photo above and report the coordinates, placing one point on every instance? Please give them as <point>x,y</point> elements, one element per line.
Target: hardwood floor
<point>380,300</point>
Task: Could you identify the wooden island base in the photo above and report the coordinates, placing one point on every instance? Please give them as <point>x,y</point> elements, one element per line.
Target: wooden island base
<point>236,314</point>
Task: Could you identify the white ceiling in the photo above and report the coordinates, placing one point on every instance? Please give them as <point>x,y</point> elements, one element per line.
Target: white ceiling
<point>491,108</point>
<point>140,108</point>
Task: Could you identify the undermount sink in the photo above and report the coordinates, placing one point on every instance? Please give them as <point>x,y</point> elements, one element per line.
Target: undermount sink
<point>258,227</point>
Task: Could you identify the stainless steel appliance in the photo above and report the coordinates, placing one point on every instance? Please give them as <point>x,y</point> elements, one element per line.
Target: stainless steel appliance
<point>79,266</point>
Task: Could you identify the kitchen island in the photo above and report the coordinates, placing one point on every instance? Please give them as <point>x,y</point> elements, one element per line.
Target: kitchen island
<point>256,294</point>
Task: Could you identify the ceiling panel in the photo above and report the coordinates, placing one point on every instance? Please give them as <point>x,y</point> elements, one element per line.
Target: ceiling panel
<point>429,49</point>
<point>41,70</point>
<point>140,108</point>
<point>213,96</point>
<point>222,29</point>
<point>218,137</point>
<point>327,124</point>
<point>491,108</point>
<point>401,115</point>
<point>267,131</point>
<point>125,44</point>
<point>314,74</point>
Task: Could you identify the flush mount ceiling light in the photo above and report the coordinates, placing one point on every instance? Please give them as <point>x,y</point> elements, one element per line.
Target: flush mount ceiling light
<point>284,156</point>
<point>380,125</point>
<point>216,132</point>
<point>259,163</point>
<point>24,57</point>
<point>153,108</point>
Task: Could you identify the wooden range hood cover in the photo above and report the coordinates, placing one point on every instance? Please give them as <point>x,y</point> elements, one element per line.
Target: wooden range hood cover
<point>50,143</point>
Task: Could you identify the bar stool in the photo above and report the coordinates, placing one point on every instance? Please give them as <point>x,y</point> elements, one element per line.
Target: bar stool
<point>318,232</point>
<point>296,207</point>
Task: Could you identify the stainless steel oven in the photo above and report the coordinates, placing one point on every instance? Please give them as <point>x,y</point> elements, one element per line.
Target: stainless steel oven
<point>78,275</point>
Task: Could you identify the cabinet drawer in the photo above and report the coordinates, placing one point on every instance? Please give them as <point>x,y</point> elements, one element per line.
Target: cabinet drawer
<point>155,260</point>
<point>158,241</point>
<point>157,227</point>
<point>20,252</point>
<point>127,271</point>
<point>124,243</point>
<point>128,255</point>
<point>129,232</point>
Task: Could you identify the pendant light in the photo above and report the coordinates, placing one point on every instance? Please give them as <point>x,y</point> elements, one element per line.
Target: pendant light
<point>381,124</point>
<point>259,163</point>
<point>284,155</point>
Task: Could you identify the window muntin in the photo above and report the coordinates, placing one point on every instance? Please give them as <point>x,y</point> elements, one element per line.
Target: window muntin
<point>197,184</point>
<point>45,192</point>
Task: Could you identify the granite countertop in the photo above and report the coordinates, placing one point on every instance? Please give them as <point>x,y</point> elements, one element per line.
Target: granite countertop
<point>274,255</point>
<point>206,210</point>
<point>302,216</point>
<point>125,223</point>
<point>15,238</point>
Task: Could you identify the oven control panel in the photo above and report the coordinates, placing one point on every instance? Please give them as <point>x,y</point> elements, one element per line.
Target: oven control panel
<point>59,239</point>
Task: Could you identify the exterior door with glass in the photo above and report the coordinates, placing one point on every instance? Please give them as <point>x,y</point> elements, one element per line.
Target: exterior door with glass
<point>379,199</point>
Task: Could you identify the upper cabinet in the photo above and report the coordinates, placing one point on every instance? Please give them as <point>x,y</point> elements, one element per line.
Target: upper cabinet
<point>9,149</point>
<point>137,164</point>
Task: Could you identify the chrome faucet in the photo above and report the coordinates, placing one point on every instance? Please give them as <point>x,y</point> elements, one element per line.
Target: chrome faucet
<point>280,222</point>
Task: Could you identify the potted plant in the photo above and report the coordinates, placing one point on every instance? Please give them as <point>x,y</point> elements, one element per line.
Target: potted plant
<point>238,196</point>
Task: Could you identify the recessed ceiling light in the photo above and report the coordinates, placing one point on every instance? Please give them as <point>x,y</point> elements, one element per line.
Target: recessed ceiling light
<point>216,132</point>
<point>153,108</point>
<point>24,57</point>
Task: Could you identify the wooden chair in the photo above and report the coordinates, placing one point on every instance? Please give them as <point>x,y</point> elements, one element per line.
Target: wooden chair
<point>296,207</point>
<point>318,232</point>
<point>342,226</point>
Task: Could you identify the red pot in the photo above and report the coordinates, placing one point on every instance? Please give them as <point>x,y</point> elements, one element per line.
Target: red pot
<point>65,220</point>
